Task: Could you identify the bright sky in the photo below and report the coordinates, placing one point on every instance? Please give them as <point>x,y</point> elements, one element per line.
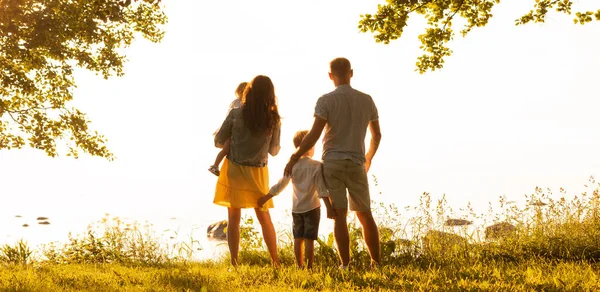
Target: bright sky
<point>514,108</point>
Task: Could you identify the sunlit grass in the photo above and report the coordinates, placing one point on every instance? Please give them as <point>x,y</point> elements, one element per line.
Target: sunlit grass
<point>548,244</point>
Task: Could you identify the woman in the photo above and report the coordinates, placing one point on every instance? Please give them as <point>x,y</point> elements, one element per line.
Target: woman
<point>253,130</point>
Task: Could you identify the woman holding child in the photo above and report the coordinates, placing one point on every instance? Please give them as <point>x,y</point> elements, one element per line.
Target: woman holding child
<point>253,132</point>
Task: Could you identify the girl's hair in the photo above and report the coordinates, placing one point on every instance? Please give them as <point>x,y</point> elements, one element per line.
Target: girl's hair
<point>239,91</point>
<point>260,105</point>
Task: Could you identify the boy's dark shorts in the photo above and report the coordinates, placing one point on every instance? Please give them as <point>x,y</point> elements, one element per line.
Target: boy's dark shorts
<point>306,225</point>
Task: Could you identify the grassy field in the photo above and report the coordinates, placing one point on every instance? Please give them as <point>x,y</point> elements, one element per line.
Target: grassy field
<point>526,276</point>
<point>553,245</point>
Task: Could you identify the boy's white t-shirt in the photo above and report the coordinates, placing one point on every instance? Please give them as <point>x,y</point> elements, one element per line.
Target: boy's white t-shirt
<point>307,180</point>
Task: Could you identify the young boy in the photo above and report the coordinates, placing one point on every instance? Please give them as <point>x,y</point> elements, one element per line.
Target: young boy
<point>308,184</point>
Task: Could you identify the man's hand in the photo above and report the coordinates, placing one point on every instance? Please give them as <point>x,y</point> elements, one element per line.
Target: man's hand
<point>264,199</point>
<point>288,168</point>
<point>375,140</point>
<point>307,143</point>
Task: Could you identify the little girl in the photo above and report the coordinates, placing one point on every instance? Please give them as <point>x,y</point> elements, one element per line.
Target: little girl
<point>214,169</point>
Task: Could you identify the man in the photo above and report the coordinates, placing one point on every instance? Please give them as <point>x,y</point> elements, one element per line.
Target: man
<point>345,114</point>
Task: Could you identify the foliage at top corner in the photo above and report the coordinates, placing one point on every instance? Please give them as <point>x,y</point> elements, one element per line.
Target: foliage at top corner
<point>391,18</point>
<point>42,43</point>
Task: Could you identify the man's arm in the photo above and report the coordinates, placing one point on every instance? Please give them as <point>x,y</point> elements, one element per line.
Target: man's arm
<point>375,140</point>
<point>309,141</point>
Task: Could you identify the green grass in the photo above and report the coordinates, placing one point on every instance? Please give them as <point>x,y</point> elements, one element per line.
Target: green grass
<point>555,247</point>
<point>530,275</point>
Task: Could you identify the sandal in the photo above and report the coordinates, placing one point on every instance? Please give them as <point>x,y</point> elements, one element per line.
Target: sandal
<point>214,170</point>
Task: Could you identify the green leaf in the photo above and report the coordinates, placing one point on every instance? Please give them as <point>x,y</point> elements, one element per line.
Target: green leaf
<point>390,21</point>
<point>42,42</point>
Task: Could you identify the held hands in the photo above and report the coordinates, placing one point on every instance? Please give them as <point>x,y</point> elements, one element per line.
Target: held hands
<point>264,199</point>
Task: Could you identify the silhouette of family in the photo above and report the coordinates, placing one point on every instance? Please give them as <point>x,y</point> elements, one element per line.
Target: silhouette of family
<point>251,131</point>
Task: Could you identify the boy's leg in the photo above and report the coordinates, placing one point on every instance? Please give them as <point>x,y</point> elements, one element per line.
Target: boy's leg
<point>298,252</point>
<point>309,249</point>
<point>298,233</point>
<point>311,233</point>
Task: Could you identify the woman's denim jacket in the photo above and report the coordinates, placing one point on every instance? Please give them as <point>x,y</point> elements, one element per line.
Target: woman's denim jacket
<point>246,148</point>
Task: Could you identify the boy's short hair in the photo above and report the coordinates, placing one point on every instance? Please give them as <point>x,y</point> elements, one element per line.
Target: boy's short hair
<point>340,67</point>
<point>298,137</point>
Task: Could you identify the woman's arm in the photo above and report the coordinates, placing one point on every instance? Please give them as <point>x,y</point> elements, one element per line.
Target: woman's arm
<point>274,146</point>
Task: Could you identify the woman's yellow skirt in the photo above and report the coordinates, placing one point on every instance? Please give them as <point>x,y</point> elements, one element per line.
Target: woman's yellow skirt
<point>241,186</point>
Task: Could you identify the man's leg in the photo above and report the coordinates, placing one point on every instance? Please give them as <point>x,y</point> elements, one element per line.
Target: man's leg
<point>370,234</point>
<point>335,176</point>
<point>342,237</point>
<point>360,202</point>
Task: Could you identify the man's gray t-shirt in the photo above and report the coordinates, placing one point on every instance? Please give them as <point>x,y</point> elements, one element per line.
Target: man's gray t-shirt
<point>348,113</point>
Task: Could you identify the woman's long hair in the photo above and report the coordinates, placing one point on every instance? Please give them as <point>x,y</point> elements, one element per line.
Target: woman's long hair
<point>260,105</point>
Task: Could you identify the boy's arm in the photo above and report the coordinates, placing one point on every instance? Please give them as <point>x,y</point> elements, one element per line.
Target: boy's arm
<point>275,190</point>
<point>324,193</point>
<point>329,208</point>
<point>320,183</point>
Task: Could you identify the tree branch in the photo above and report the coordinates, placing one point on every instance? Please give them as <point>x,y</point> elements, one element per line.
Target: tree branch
<point>15,120</point>
<point>420,6</point>
<point>30,109</point>
<point>450,17</point>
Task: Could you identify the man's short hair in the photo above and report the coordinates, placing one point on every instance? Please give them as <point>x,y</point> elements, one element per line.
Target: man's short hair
<point>340,67</point>
<point>298,137</point>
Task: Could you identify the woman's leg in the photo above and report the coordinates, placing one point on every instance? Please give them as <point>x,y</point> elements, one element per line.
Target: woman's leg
<point>268,230</point>
<point>233,233</point>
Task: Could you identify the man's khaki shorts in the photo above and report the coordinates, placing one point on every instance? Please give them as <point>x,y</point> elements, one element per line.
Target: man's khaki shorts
<point>340,175</point>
